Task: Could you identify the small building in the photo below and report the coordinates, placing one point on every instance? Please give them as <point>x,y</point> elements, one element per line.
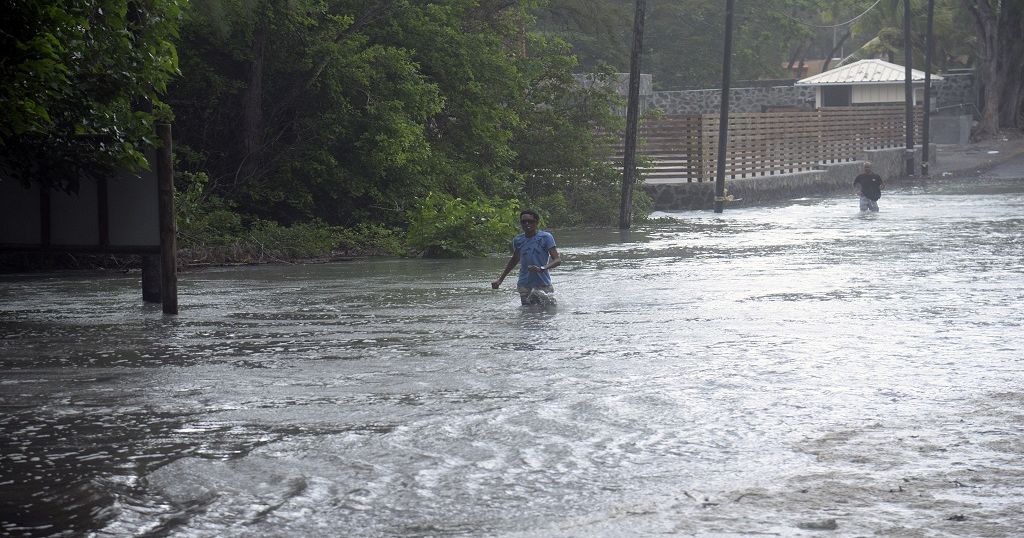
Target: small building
<point>867,82</point>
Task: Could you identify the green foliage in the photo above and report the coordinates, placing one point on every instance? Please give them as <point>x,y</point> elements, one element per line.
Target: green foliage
<point>352,112</point>
<point>599,30</point>
<point>348,111</point>
<point>203,219</point>
<point>591,200</point>
<point>369,238</point>
<point>412,115</point>
<point>75,73</point>
<point>566,171</point>
<point>301,240</point>
<point>224,239</point>
<point>211,230</point>
<point>443,226</point>
<point>880,32</point>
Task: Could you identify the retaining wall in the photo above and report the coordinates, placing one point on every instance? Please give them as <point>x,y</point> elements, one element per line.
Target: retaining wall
<point>830,178</point>
<point>740,99</point>
<point>954,91</point>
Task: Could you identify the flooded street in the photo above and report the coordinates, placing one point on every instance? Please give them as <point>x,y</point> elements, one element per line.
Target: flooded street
<point>786,370</point>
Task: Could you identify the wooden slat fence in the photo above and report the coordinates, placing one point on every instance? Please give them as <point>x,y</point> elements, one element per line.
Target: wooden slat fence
<point>668,147</point>
<point>685,148</point>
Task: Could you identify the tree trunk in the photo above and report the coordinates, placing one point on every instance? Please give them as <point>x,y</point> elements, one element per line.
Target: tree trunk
<point>1011,63</point>
<point>986,21</point>
<point>835,48</point>
<point>797,54</point>
<point>252,108</point>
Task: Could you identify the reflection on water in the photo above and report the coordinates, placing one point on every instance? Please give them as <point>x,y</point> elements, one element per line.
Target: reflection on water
<point>767,370</point>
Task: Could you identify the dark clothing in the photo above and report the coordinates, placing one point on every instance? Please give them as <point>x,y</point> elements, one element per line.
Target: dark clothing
<point>870,186</point>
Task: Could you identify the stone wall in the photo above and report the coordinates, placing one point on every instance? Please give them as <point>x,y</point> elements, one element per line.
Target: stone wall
<point>740,100</point>
<point>830,178</point>
<point>953,90</point>
<point>955,94</point>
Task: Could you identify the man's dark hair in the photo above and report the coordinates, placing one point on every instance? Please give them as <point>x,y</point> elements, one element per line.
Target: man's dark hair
<point>531,212</point>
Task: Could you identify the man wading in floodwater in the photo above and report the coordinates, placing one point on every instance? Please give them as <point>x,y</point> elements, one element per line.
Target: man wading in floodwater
<point>537,253</point>
<point>869,186</point>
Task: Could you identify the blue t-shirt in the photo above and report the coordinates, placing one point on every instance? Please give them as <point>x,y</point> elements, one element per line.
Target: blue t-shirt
<point>533,251</point>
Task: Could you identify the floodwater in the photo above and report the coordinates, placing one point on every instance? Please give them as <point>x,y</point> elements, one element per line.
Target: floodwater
<point>796,370</point>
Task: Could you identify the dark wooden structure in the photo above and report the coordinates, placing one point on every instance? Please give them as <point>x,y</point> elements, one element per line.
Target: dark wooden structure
<point>125,214</point>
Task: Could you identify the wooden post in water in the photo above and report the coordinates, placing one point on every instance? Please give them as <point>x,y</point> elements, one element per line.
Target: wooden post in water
<point>908,86</point>
<point>168,244</point>
<point>926,126</point>
<point>632,118</point>
<point>723,118</point>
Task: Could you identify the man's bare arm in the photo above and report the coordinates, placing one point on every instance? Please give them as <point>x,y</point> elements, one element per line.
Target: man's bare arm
<point>508,269</point>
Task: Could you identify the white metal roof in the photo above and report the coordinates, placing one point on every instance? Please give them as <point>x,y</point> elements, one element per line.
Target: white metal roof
<point>864,72</point>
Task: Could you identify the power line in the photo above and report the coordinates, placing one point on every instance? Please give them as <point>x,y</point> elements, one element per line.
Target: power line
<point>835,25</point>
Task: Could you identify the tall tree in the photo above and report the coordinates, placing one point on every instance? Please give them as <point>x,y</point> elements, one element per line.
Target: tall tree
<point>83,82</point>
<point>1000,25</point>
<point>879,32</point>
<point>348,111</point>
<point>598,30</point>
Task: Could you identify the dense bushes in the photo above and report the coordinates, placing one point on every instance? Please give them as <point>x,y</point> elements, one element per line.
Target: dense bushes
<point>398,126</point>
<point>210,230</point>
<point>385,126</point>
<point>446,227</point>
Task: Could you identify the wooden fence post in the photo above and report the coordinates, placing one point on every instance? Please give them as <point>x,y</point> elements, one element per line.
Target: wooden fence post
<point>694,156</point>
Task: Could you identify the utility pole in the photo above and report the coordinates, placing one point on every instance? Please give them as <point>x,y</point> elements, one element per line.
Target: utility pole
<point>632,118</point>
<point>723,117</point>
<point>908,86</point>
<point>926,128</point>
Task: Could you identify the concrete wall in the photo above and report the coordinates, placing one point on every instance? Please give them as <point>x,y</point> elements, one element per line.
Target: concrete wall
<point>950,129</point>
<point>830,178</point>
